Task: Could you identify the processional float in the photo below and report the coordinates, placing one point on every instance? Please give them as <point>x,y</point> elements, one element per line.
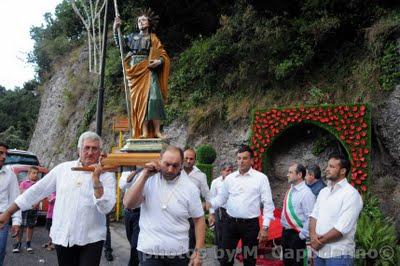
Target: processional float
<point>138,150</point>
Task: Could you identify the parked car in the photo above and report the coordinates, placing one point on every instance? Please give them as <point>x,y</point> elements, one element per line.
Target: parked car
<point>19,162</point>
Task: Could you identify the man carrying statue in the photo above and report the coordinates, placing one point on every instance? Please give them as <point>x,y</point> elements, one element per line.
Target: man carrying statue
<point>147,71</point>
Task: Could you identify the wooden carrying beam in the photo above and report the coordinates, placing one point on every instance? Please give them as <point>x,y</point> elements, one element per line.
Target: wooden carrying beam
<point>114,161</point>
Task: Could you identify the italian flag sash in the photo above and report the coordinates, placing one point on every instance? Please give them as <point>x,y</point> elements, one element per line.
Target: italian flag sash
<point>290,215</point>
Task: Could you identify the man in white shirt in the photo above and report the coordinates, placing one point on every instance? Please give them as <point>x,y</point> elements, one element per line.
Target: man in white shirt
<point>131,217</point>
<point>199,179</point>
<point>9,191</point>
<point>218,216</point>
<point>243,192</point>
<point>167,200</point>
<point>297,206</point>
<point>83,199</point>
<point>333,221</point>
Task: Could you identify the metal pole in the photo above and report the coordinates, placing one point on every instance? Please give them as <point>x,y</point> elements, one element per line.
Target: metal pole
<point>127,93</point>
<point>118,201</point>
<point>100,99</point>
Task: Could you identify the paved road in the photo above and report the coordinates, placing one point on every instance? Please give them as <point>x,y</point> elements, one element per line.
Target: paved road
<point>42,256</point>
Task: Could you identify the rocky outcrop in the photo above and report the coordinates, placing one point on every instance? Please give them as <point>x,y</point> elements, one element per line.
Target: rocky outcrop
<point>386,123</point>
<point>63,103</point>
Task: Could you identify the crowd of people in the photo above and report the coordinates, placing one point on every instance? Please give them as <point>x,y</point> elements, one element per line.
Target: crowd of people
<point>165,205</point>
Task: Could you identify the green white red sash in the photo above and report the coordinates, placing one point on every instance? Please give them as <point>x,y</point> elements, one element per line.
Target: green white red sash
<point>290,215</point>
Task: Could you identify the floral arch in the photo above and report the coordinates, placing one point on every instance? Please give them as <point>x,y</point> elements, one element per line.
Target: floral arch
<point>350,124</point>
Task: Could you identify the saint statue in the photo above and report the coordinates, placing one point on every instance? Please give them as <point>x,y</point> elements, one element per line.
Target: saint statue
<point>147,71</point>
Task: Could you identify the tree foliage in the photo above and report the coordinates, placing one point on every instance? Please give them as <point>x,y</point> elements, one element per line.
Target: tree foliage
<point>55,38</point>
<point>274,44</point>
<point>18,113</point>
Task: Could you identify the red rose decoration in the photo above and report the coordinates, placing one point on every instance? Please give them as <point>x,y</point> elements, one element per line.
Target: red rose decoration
<point>347,122</point>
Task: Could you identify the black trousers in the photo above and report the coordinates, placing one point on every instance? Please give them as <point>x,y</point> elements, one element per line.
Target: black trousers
<point>192,235</point>
<point>107,243</point>
<point>245,229</point>
<point>293,248</point>
<point>87,255</point>
<point>131,218</point>
<point>220,219</point>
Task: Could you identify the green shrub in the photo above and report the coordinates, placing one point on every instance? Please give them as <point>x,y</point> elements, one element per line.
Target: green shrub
<point>390,66</point>
<point>376,237</point>
<point>205,154</point>
<point>209,241</point>
<point>207,169</point>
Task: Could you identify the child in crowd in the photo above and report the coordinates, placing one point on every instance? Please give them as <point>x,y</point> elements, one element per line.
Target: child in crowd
<point>29,217</point>
<point>49,219</point>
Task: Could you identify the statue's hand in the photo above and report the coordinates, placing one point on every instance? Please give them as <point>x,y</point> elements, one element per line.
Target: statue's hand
<point>117,23</point>
<point>154,63</point>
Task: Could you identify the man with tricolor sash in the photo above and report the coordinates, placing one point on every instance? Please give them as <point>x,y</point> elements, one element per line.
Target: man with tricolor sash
<point>297,207</point>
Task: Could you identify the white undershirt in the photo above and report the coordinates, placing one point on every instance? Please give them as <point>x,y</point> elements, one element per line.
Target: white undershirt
<point>164,215</point>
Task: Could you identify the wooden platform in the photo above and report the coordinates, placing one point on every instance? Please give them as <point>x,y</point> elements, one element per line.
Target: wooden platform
<point>117,159</point>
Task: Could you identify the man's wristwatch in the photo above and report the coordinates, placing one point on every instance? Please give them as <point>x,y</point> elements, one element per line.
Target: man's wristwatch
<point>201,251</point>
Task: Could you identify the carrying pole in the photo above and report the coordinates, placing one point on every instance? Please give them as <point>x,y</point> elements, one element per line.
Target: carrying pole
<point>121,51</point>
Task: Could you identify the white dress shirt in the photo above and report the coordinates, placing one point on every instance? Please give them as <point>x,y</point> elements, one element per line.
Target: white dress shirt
<point>9,191</point>
<point>216,187</point>
<point>200,180</point>
<point>164,214</point>
<point>123,180</point>
<point>338,207</point>
<point>243,195</point>
<point>78,217</point>
<point>303,201</point>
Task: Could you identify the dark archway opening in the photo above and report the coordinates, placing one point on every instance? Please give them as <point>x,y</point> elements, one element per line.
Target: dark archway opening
<point>304,143</point>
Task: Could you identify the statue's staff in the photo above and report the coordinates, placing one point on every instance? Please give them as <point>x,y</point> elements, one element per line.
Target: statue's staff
<point>121,50</point>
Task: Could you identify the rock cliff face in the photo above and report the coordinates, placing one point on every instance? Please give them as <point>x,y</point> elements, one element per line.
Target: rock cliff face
<point>62,107</point>
<point>66,97</point>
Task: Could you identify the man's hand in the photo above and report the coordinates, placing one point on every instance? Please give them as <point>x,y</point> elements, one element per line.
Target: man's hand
<point>195,259</point>
<point>262,236</point>
<point>154,63</point>
<point>4,218</point>
<point>151,168</point>
<point>15,230</point>
<point>211,219</point>
<point>97,185</point>
<point>315,242</point>
<point>117,23</point>
<point>98,170</point>
<point>131,176</point>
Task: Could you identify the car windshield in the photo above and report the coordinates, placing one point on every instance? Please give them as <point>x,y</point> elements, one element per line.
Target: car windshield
<point>21,159</point>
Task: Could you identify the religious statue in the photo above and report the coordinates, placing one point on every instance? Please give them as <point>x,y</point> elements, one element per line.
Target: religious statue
<point>147,71</point>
